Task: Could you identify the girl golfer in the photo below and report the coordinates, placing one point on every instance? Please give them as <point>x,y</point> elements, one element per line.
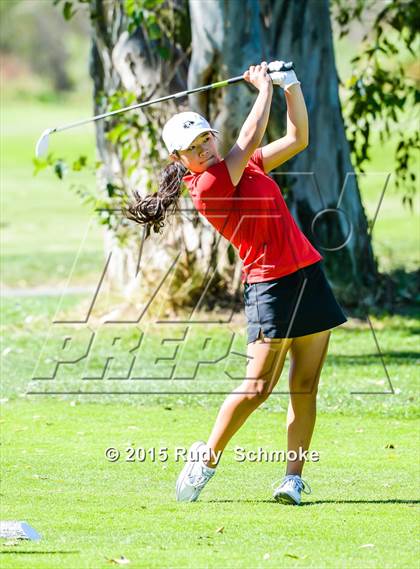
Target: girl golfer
<point>289,304</point>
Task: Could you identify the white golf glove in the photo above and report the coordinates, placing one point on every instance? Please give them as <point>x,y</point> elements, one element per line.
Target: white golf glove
<point>283,78</point>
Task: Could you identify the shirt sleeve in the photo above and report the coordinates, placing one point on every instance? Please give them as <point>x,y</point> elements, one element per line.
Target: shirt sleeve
<point>257,159</point>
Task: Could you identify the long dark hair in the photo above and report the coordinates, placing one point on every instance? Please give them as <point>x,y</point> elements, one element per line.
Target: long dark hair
<point>152,210</point>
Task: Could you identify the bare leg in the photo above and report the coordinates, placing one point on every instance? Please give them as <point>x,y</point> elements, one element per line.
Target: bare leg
<point>263,371</point>
<point>307,356</point>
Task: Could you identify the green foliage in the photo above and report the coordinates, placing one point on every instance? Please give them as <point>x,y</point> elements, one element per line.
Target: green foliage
<point>162,22</point>
<point>348,12</point>
<point>69,7</point>
<point>127,134</point>
<point>380,87</point>
<point>68,10</point>
<point>79,164</point>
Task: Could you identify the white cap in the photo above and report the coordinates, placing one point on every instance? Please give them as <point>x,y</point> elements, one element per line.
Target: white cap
<point>182,129</point>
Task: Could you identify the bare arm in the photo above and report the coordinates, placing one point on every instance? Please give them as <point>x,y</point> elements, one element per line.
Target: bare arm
<point>297,135</point>
<point>254,126</point>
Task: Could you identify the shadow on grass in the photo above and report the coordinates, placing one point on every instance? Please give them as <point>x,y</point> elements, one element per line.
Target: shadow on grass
<point>315,502</point>
<point>395,501</point>
<point>372,359</point>
<point>17,552</point>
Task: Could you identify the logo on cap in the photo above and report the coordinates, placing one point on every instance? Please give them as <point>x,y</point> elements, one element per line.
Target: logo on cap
<point>187,124</point>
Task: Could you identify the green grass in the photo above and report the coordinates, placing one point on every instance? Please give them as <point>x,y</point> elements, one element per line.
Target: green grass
<point>43,222</point>
<point>353,369</point>
<point>88,510</point>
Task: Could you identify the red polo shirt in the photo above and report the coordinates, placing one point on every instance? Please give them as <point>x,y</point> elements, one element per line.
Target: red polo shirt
<point>254,217</point>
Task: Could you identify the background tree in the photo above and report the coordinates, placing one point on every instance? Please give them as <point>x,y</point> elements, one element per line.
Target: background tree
<point>31,32</point>
<point>142,48</point>
<point>381,85</point>
<point>266,29</point>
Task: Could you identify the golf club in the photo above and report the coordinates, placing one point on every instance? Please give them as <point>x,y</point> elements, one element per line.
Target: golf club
<point>42,144</point>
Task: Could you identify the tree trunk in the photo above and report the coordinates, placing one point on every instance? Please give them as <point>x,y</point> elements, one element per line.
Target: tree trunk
<point>322,191</point>
<point>341,232</point>
<point>226,38</point>
<point>128,62</point>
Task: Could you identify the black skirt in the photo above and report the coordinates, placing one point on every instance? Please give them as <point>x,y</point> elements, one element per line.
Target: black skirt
<point>295,305</point>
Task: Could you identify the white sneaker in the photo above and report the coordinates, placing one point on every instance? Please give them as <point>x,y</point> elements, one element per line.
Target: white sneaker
<point>290,490</point>
<point>194,476</point>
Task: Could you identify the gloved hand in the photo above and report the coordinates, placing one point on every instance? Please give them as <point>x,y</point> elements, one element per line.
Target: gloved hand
<point>283,78</point>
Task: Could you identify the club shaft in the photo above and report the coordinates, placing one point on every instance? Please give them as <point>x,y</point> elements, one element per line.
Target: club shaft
<point>179,95</point>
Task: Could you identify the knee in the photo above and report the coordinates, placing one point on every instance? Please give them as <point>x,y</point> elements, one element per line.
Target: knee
<point>306,385</point>
<point>257,391</point>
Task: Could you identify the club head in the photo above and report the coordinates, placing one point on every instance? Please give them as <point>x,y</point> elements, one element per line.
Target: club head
<point>42,144</point>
